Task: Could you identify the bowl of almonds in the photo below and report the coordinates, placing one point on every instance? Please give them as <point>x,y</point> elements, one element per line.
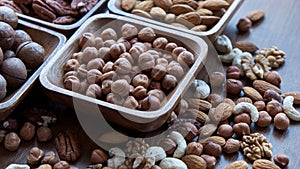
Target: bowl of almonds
<point>132,73</point>
<point>202,18</point>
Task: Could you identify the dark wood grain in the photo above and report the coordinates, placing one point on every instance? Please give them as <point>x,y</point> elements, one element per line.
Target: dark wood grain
<point>280,27</point>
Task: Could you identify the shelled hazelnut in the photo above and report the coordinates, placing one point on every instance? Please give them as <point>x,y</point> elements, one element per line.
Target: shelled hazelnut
<point>44,134</point>
<point>27,132</point>
<point>11,141</point>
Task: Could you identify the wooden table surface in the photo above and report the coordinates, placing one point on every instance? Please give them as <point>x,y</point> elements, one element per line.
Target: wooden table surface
<point>279,28</point>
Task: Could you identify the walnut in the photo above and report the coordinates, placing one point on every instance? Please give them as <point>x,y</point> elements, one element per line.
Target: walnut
<point>136,147</point>
<point>256,146</point>
<point>274,56</point>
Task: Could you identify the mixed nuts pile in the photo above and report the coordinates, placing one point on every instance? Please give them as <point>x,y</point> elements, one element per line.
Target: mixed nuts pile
<point>197,15</point>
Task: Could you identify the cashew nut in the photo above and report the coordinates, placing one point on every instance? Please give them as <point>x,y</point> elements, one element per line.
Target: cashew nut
<point>181,144</point>
<point>202,89</point>
<point>17,166</point>
<point>172,163</point>
<point>247,107</point>
<point>228,58</point>
<point>154,154</point>
<point>118,158</point>
<point>289,110</point>
<point>237,61</point>
<point>223,44</point>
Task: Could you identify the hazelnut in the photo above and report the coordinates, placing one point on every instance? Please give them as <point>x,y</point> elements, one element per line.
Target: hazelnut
<point>109,75</point>
<point>149,103</point>
<point>98,156</point>
<point>216,79</point>
<point>233,86</point>
<point>14,71</point>
<point>194,148</point>
<point>154,167</point>
<point>233,72</point>
<point>50,158</point>
<point>243,117</point>
<point>81,71</point>
<point>170,46</point>
<point>87,39</point>
<point>20,37</point>
<point>94,91</point>
<point>71,65</point>
<point>160,43</point>
<point>147,34</point>
<point>167,56</point>
<point>129,31</point>
<point>94,76</point>
<point>177,51</point>
<point>281,121</point>
<point>31,53</point>
<point>140,80</point>
<point>131,103</point>
<point>122,66</point>
<point>264,119</point>
<point>109,34</point>
<point>139,92</point>
<point>168,145</point>
<point>106,86</point>
<point>96,63</point>
<point>241,129</point>
<point>103,53</point>
<point>181,107</point>
<point>273,107</point>
<point>243,99</point>
<point>136,50</point>
<point>98,42</point>
<point>11,141</point>
<point>155,85</point>
<point>281,160</point>
<point>107,67</point>
<point>45,166</point>
<point>44,134</point>
<point>273,77</point>
<point>188,130</point>
<point>127,56</point>
<point>70,73</point>
<point>83,86</point>
<point>126,43</point>
<point>88,54</point>
<point>260,105</point>
<point>225,130</point>
<point>158,72</point>
<point>27,132</point>
<point>175,69</point>
<point>169,82</point>
<point>72,83</point>
<point>146,61</point>
<point>115,99</point>
<point>116,50</point>
<point>3,86</point>
<point>61,165</point>
<point>34,156</point>
<point>244,24</point>
<point>210,161</point>
<point>162,61</point>
<point>272,94</point>
<point>109,43</point>
<point>231,146</point>
<point>186,59</point>
<point>120,87</point>
<point>213,149</point>
<point>214,99</point>
<point>7,36</point>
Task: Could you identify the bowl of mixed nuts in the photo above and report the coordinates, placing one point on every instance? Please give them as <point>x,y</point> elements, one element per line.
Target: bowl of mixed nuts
<point>201,18</point>
<point>133,72</point>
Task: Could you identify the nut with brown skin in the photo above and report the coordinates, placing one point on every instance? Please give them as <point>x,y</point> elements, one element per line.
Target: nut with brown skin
<point>88,54</point>
<point>120,87</point>
<point>194,148</point>
<point>170,46</point>
<point>231,146</point>
<point>281,160</point>
<point>27,132</point>
<point>114,99</point>
<point>260,105</point>
<point>169,82</point>
<point>131,103</point>
<point>233,72</point>
<point>50,158</point>
<point>7,36</point>
<point>158,72</point>
<point>11,141</point>
<point>216,79</point>
<point>241,129</point>
<point>34,156</point>
<point>188,130</point>
<point>94,91</point>
<point>109,43</point>
<point>281,121</point>
<point>233,86</point>
<point>243,99</point>
<point>98,156</point>
<point>186,59</point>
<point>146,61</point>
<point>160,43</point>
<point>96,63</point>
<point>225,130</point>
<point>211,161</point>
<point>273,77</point>
<point>273,107</point>
<point>264,119</point>
<point>122,66</point>
<point>175,69</point>
<point>243,117</point>
<point>109,34</point>
<point>244,25</point>
<point>214,99</point>
<point>181,107</point>
<point>272,94</point>
<point>149,103</point>
<point>87,39</point>
<point>168,145</point>
<point>139,92</point>
<point>140,80</point>
<point>94,76</point>
<point>116,50</point>
<point>146,34</point>
<point>44,134</point>
<point>129,31</point>
<point>32,49</point>
<point>61,165</point>
<point>212,149</point>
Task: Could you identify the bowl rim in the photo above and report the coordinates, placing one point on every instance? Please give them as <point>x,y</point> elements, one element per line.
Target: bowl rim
<point>61,26</point>
<point>136,113</point>
<point>112,6</point>
<point>21,91</point>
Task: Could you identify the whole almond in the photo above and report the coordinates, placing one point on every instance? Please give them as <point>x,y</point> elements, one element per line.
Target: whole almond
<point>264,164</point>
<point>181,9</point>
<point>164,4</point>
<point>194,162</point>
<point>141,13</point>
<point>240,164</point>
<point>215,4</point>
<point>189,19</point>
<point>128,5</point>
<point>145,6</point>
<point>209,20</point>
<point>296,96</point>
<point>207,130</point>
<point>252,93</point>
<point>246,46</point>
<point>191,3</point>
<point>158,13</point>
<point>256,15</point>
<point>198,115</point>
<point>199,104</point>
<point>204,12</point>
<point>222,112</point>
<point>215,139</point>
<point>261,86</point>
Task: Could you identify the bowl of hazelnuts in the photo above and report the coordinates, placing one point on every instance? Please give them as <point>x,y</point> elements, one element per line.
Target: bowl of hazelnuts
<point>132,73</point>
<point>24,51</point>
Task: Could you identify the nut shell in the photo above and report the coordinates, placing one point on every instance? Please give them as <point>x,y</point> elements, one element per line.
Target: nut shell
<point>9,16</point>
<point>7,36</point>
<point>31,53</point>
<point>3,85</point>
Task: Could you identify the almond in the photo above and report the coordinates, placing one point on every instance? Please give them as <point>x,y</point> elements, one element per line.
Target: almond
<point>128,5</point>
<point>204,12</point>
<point>246,46</point>
<point>164,4</point>
<point>199,104</point>
<point>191,3</point>
<point>240,164</point>
<point>296,96</point>
<point>181,9</point>
<point>158,13</point>
<point>222,112</point>
<point>264,164</point>
<point>209,20</point>
<point>252,93</point>
<point>141,13</point>
<point>256,15</point>
<point>198,115</point>
<point>262,86</point>
<point>215,139</point>
<point>207,130</point>
<point>194,162</point>
<point>215,4</point>
<point>145,6</point>
<point>189,19</point>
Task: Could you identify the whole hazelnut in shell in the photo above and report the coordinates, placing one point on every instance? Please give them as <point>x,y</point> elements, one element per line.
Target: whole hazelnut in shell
<point>31,53</point>
<point>14,71</point>
<point>3,86</point>
<point>7,36</point>
<point>234,86</point>
<point>11,141</point>
<point>9,16</point>
<point>281,121</point>
<point>20,37</point>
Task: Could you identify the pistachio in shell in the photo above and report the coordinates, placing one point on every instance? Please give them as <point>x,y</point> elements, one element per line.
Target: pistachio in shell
<point>31,53</point>
<point>3,86</point>
<point>9,16</point>
<point>7,36</point>
<point>14,71</point>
